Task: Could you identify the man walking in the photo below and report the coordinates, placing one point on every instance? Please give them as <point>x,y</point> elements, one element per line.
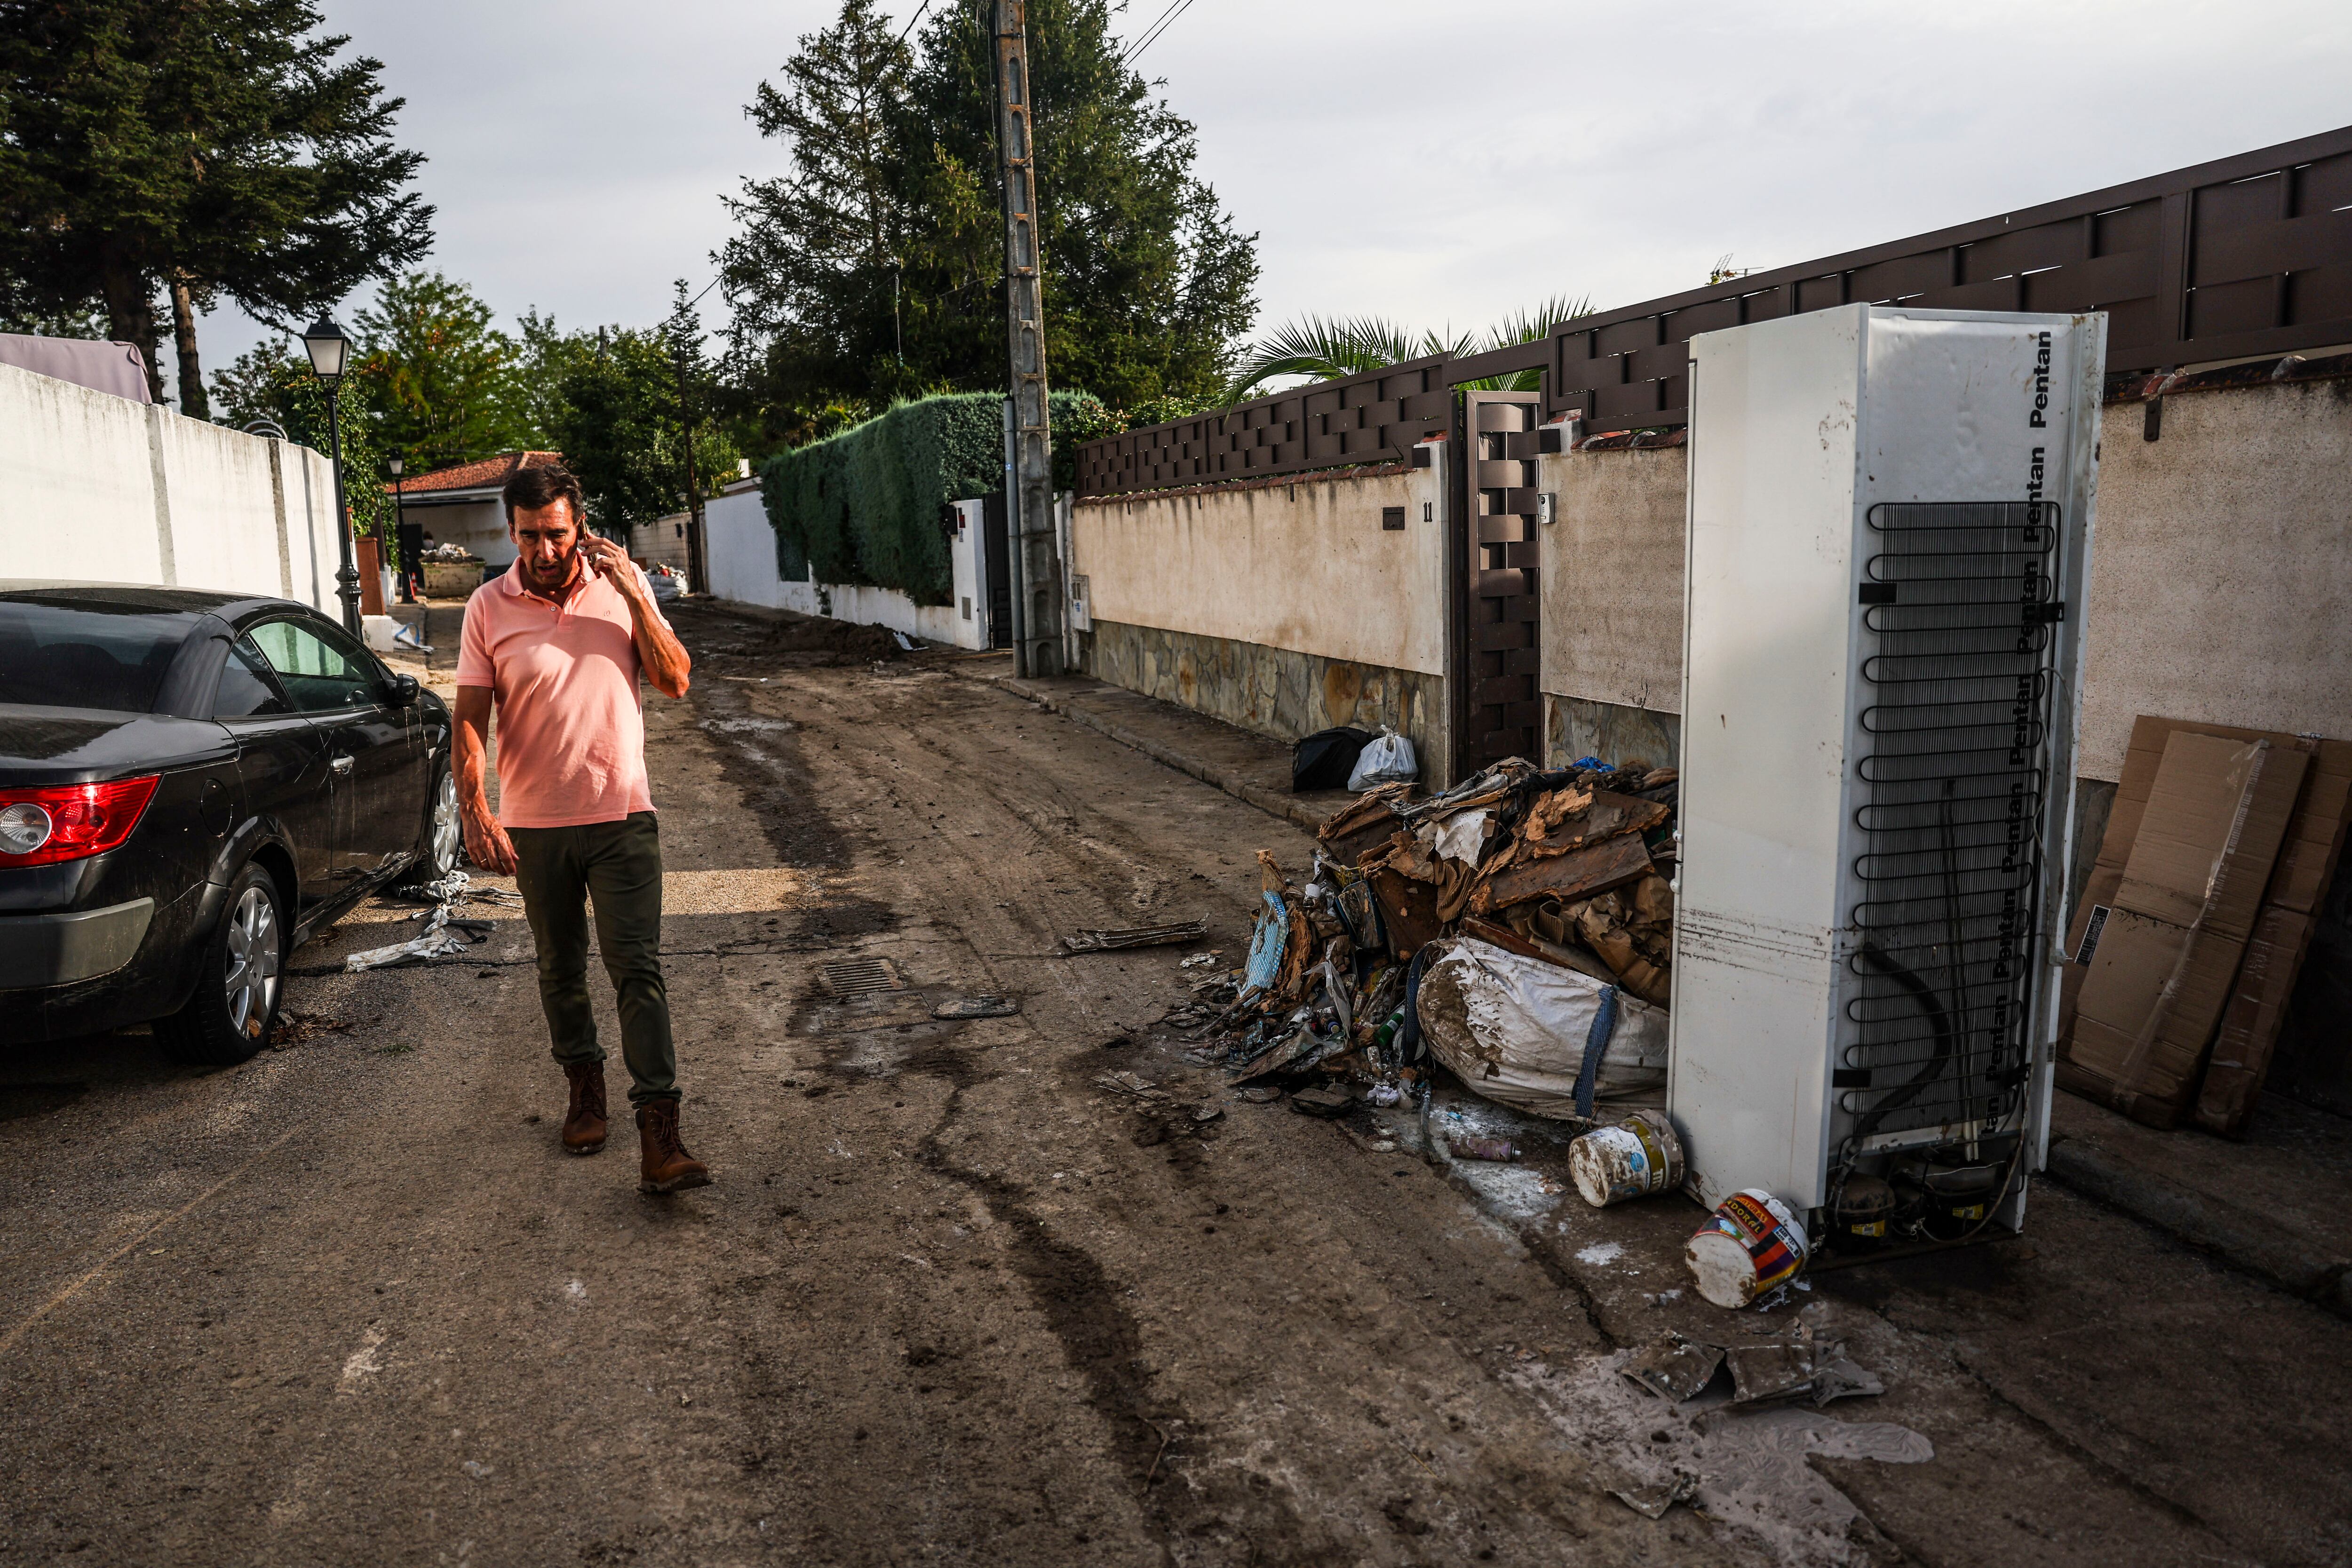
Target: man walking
<point>557,642</point>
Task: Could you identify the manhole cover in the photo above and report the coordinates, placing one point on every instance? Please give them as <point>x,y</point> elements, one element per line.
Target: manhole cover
<point>861,976</point>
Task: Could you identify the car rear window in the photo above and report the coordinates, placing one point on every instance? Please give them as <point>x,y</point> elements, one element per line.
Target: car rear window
<point>73,653</point>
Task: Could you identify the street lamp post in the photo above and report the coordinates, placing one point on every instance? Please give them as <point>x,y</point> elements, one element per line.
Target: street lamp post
<point>329,350</point>
<point>400,560</point>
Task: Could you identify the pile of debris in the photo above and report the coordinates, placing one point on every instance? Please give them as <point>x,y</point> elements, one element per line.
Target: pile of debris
<point>1516,928</point>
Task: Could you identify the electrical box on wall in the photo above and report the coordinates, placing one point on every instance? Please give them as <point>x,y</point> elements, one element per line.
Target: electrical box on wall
<point>1889,529</point>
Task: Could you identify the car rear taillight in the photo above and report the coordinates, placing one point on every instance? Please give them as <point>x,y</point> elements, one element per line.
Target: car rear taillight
<point>69,822</point>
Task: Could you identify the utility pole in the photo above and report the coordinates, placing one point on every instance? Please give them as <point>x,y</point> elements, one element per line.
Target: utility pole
<point>1037,644</point>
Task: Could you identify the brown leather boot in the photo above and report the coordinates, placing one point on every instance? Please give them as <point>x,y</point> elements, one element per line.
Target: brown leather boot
<point>583,1120</point>
<point>664,1165</point>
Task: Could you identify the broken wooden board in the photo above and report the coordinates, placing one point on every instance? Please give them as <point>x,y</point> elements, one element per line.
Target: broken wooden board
<point>1578,874</point>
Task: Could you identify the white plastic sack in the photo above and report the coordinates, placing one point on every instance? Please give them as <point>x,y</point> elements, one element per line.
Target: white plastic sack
<point>1515,1029</point>
<point>1388,760</point>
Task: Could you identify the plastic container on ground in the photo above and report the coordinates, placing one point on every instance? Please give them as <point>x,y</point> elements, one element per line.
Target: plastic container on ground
<point>1750,1244</point>
<point>1637,1158</point>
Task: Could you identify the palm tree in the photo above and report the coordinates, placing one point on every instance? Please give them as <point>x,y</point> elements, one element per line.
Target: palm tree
<point>1332,348</point>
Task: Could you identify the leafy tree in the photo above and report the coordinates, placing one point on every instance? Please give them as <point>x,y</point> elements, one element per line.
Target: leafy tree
<point>1329,349</point>
<point>190,150</point>
<point>48,319</point>
<point>894,196</point>
<point>441,384</point>
<point>621,415</point>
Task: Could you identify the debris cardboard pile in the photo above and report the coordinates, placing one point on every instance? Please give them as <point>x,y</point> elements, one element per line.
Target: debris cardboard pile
<point>2188,939</point>
<point>1518,927</point>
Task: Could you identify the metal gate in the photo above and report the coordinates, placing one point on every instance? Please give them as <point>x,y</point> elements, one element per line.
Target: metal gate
<point>996,557</point>
<point>1496,601</point>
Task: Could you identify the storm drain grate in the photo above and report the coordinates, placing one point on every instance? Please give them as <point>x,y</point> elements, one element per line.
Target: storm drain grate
<point>861,977</point>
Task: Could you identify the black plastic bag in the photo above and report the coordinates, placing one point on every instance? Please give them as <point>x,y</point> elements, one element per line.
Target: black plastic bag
<point>1325,759</point>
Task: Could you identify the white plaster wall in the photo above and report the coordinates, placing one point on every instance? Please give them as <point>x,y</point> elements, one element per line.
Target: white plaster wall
<point>78,484</point>
<point>2221,567</point>
<point>1612,577</point>
<point>99,488</point>
<point>1304,566</point>
<point>224,499</point>
<point>743,568</point>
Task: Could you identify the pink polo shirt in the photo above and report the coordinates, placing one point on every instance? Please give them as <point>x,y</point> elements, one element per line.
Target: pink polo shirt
<point>571,725</point>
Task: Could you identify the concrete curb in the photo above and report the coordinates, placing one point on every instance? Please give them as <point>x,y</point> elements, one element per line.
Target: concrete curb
<point>1265,800</point>
<point>2239,1235</point>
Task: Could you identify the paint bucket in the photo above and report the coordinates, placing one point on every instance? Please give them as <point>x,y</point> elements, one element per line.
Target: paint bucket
<point>1750,1244</point>
<point>1638,1157</point>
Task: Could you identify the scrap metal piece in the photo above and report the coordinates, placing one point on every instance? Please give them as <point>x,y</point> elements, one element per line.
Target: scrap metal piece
<point>977,1007</point>
<point>1777,1369</point>
<point>1651,1501</point>
<point>1836,1377</point>
<point>1675,1368</point>
<point>1331,1099</point>
<point>1135,936</point>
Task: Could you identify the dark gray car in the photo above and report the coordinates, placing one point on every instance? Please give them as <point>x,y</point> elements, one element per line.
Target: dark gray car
<point>190,784</point>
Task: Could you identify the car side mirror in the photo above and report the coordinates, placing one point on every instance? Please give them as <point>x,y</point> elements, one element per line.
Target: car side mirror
<point>402,691</point>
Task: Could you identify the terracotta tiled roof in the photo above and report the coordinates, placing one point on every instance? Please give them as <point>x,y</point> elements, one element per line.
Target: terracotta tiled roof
<point>488,473</point>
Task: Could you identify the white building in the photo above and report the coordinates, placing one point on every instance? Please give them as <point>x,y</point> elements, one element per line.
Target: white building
<point>461,505</point>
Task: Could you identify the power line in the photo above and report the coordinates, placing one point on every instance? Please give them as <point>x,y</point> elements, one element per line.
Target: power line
<point>1152,35</point>
<point>913,19</point>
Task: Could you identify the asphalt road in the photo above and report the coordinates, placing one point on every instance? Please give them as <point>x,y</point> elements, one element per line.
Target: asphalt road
<point>950,1301</point>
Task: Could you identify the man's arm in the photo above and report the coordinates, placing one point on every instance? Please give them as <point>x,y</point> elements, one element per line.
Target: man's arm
<point>486,842</point>
<point>658,650</point>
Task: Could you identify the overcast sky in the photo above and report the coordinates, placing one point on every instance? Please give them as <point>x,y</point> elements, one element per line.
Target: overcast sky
<point>1440,163</point>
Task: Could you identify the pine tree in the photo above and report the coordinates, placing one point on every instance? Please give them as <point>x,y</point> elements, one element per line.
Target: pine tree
<point>181,150</point>
<point>809,274</point>
<point>1148,285</point>
<point>880,235</point>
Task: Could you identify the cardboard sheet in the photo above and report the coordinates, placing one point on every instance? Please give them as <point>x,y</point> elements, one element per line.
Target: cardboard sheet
<point>2253,1019</point>
<point>2179,912</point>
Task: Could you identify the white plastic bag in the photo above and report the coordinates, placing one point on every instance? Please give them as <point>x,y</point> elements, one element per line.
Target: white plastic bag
<point>1515,1029</point>
<point>1388,760</point>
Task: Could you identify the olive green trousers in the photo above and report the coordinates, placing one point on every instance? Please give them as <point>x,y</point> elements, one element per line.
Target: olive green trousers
<point>617,868</point>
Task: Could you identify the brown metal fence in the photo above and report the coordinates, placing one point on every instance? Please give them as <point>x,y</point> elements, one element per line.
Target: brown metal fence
<point>2244,257</point>
<point>2251,255</point>
<point>1371,418</point>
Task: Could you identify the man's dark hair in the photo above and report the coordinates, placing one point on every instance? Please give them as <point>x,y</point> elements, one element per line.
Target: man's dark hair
<point>544,484</point>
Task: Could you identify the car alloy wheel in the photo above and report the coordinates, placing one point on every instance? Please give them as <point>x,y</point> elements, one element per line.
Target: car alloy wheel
<point>445,831</point>
<point>251,982</point>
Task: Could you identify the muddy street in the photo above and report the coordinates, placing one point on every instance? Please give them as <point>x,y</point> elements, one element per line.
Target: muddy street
<point>961,1293</point>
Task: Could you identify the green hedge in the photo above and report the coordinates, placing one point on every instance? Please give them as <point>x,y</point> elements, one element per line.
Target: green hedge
<point>863,506</point>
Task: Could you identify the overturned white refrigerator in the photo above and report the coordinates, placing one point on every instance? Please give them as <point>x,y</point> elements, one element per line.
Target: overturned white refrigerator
<point>1888,540</point>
